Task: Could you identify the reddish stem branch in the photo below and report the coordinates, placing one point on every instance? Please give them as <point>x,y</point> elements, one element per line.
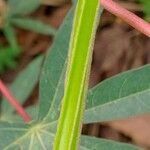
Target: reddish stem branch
<point>7,94</point>
<point>127,16</point>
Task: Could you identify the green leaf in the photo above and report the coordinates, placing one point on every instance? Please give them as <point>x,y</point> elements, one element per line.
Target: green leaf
<point>122,96</point>
<point>23,85</point>
<point>92,143</point>
<point>33,25</point>
<point>22,7</point>
<point>53,70</point>
<point>40,135</point>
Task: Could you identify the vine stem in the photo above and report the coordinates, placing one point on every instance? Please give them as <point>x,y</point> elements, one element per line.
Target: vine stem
<point>127,16</point>
<point>13,101</point>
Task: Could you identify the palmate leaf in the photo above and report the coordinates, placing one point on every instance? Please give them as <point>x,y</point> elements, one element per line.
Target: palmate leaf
<point>22,86</point>
<point>40,137</point>
<point>49,84</point>
<point>122,96</point>
<point>33,25</point>
<point>22,7</point>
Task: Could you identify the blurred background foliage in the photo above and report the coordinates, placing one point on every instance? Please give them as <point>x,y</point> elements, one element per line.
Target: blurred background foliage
<point>16,14</point>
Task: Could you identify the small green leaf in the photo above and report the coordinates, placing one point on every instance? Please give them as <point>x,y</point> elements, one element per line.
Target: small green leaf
<point>23,85</point>
<point>22,7</point>
<point>122,96</point>
<point>33,25</point>
<point>92,143</point>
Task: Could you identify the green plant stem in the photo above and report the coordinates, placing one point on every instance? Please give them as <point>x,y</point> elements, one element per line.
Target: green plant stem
<point>79,62</point>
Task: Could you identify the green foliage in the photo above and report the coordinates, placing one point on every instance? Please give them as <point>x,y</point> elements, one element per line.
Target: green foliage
<point>15,16</point>
<point>122,96</point>
<point>146,8</point>
<point>40,137</point>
